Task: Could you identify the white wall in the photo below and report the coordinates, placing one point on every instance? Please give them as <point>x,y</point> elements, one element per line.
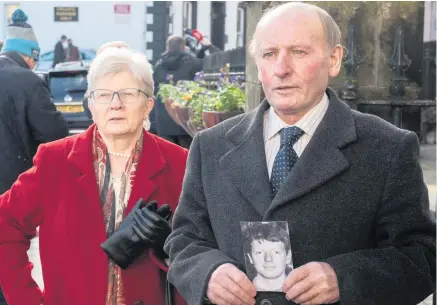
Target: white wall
<point>231,24</point>
<point>204,17</point>
<point>176,10</point>
<point>97,23</point>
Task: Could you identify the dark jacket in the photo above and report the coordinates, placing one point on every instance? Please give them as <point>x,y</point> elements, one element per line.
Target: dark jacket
<point>27,117</point>
<point>182,66</point>
<point>355,199</point>
<point>59,54</point>
<point>73,53</point>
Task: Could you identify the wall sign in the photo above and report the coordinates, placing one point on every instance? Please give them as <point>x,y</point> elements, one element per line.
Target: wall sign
<point>122,9</point>
<point>66,14</point>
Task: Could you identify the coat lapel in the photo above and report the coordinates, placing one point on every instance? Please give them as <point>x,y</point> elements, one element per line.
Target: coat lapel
<point>151,164</point>
<point>81,160</point>
<point>322,159</point>
<point>245,164</point>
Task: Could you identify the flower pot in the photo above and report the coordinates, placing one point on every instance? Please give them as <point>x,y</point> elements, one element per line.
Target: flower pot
<point>170,107</point>
<point>193,125</point>
<point>183,117</point>
<point>211,118</point>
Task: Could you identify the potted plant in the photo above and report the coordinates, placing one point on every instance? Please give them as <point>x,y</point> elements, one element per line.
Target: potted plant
<point>194,107</point>
<point>228,102</point>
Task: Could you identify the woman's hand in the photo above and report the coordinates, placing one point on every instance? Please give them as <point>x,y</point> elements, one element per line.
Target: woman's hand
<point>152,225</point>
<point>137,232</point>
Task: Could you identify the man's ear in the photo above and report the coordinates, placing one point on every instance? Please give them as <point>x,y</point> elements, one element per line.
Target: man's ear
<point>335,61</point>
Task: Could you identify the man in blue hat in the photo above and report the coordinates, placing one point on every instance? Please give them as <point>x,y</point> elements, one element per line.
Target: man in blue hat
<point>21,39</point>
<point>27,117</point>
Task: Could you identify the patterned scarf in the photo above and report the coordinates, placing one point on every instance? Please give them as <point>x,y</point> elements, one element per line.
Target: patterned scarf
<point>111,215</point>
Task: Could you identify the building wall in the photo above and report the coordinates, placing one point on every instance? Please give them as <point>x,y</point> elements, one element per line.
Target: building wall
<point>231,24</point>
<point>176,11</point>
<point>204,17</point>
<point>204,20</point>
<point>97,23</point>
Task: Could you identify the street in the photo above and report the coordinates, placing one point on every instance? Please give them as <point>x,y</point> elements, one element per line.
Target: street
<point>428,163</point>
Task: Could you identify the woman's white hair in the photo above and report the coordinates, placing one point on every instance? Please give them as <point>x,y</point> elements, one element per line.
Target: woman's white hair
<point>115,60</point>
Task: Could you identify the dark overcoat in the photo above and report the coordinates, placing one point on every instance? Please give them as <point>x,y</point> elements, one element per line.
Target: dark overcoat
<point>355,199</point>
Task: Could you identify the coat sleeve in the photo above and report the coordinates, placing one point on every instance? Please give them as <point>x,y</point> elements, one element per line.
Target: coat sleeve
<point>47,124</point>
<point>192,247</point>
<point>402,267</point>
<point>21,212</point>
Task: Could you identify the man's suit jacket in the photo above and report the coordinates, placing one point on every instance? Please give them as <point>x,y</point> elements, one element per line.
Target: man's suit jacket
<point>355,199</point>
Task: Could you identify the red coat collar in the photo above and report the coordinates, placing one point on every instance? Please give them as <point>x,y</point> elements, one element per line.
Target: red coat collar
<point>151,164</point>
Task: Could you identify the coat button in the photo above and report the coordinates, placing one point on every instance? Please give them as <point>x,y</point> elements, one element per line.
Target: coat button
<point>265,302</point>
<point>141,303</point>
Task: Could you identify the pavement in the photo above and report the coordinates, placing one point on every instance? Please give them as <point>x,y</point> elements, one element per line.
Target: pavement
<point>427,161</point>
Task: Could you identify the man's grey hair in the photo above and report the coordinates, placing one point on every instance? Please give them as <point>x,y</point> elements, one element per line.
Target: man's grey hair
<point>115,60</point>
<point>175,44</point>
<point>330,27</point>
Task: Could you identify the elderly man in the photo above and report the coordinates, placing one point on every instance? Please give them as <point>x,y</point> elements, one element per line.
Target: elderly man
<point>349,185</point>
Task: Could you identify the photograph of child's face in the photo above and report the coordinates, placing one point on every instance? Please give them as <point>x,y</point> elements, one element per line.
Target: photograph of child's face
<point>267,253</point>
<point>270,258</point>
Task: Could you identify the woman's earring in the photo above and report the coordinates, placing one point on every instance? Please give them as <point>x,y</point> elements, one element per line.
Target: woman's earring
<point>146,124</point>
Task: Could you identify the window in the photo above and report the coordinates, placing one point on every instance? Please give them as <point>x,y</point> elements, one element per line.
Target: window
<point>186,15</point>
<point>240,27</point>
<point>71,83</point>
<point>170,18</point>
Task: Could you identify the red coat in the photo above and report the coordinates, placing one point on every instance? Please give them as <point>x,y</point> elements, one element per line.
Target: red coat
<point>60,195</point>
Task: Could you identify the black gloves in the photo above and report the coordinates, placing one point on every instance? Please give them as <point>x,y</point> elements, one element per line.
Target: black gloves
<point>144,227</point>
<point>152,225</point>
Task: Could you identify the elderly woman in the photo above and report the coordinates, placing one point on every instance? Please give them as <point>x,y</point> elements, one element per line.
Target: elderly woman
<point>82,187</point>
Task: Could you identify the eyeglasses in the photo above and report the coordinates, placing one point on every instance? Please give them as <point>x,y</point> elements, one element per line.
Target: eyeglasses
<point>126,96</point>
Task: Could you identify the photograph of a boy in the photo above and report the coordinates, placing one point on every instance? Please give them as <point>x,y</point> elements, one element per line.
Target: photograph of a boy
<point>267,253</point>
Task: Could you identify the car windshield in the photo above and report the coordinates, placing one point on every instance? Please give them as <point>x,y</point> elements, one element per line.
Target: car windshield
<point>68,87</point>
<point>49,56</point>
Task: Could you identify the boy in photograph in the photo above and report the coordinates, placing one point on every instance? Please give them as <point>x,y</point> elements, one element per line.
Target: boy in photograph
<point>267,254</point>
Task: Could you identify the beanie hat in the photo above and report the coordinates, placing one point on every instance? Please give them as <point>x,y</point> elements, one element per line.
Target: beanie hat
<point>20,37</point>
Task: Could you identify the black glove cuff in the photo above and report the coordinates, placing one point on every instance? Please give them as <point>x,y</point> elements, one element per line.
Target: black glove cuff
<point>160,253</point>
<point>119,257</point>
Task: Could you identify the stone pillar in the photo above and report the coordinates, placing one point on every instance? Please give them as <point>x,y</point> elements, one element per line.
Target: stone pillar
<point>254,92</point>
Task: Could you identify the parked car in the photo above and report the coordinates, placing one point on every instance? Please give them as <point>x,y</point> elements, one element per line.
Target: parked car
<point>67,83</point>
<point>46,59</point>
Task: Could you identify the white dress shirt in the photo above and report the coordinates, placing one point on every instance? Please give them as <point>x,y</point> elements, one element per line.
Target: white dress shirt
<point>273,124</point>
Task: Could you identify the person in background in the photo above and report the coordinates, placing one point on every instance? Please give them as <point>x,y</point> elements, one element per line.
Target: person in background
<point>1,44</point>
<point>181,66</point>
<point>72,53</point>
<point>60,48</point>
<point>349,184</point>
<point>81,191</point>
<point>28,118</point>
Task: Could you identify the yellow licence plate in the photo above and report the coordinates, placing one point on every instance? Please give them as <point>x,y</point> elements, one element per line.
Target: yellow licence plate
<point>70,108</point>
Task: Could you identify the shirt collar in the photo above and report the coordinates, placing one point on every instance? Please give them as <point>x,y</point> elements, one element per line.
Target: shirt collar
<point>306,123</point>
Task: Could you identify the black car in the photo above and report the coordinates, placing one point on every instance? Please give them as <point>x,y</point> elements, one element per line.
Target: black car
<point>67,83</point>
